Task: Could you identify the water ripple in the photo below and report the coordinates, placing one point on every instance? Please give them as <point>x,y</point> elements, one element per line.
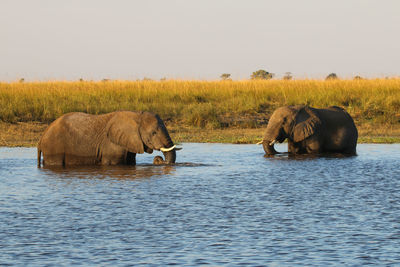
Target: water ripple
<point>223,205</point>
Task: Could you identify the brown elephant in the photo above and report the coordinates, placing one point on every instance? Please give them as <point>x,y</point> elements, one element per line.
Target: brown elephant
<point>311,130</point>
<point>158,160</point>
<point>115,138</point>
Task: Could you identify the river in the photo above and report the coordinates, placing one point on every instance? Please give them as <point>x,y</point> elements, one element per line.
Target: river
<point>221,204</point>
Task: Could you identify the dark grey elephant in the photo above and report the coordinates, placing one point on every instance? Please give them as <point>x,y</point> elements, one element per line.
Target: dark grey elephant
<point>110,139</point>
<point>311,130</point>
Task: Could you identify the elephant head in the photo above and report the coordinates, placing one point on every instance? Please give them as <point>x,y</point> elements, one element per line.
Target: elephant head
<point>158,160</point>
<point>296,123</point>
<point>142,132</point>
<point>155,136</point>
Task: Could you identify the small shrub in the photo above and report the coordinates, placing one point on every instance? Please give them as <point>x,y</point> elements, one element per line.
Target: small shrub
<point>288,76</point>
<point>225,77</point>
<point>261,75</point>
<point>332,76</point>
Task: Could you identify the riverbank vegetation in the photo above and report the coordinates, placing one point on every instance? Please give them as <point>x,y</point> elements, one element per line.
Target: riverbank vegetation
<point>214,107</point>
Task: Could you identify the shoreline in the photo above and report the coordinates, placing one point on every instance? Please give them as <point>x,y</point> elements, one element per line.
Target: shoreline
<point>27,134</point>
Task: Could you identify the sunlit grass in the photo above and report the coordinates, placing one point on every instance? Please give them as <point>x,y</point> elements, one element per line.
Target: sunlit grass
<point>204,104</point>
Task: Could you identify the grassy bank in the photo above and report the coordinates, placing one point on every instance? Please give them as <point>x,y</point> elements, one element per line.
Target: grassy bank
<point>207,110</point>
<point>28,133</point>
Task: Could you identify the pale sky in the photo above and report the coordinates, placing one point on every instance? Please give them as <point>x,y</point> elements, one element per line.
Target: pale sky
<point>197,39</point>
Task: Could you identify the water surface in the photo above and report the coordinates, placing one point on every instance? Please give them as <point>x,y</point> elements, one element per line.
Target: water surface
<point>221,205</point>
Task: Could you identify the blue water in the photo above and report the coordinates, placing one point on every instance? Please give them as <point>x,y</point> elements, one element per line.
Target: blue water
<point>221,205</point>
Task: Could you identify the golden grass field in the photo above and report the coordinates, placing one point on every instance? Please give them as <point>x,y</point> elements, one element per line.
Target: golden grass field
<point>199,111</point>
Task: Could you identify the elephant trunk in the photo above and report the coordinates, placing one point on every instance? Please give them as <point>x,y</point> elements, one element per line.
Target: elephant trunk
<point>273,135</point>
<point>269,147</point>
<point>170,156</point>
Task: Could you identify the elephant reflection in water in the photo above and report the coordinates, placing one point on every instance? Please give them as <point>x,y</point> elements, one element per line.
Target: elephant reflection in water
<point>116,172</point>
<point>311,131</point>
<point>110,139</point>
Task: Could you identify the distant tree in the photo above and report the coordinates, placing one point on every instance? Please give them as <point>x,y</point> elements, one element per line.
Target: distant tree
<point>147,79</point>
<point>225,77</point>
<point>81,80</point>
<point>261,75</point>
<point>288,76</point>
<point>358,77</point>
<point>332,76</point>
<point>163,79</point>
<point>21,80</point>
<point>105,80</point>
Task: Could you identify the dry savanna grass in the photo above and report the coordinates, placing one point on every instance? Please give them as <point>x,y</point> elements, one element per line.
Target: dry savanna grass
<point>220,111</point>
<point>21,133</point>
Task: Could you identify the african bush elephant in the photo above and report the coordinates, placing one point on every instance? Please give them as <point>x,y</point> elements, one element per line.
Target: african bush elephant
<point>158,160</point>
<point>311,130</point>
<point>115,138</point>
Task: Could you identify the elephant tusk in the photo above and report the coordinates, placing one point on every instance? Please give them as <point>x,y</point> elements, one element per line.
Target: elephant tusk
<point>259,143</point>
<point>272,143</point>
<point>163,149</point>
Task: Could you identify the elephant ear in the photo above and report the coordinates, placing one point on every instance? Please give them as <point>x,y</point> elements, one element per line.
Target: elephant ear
<point>307,124</point>
<point>124,131</point>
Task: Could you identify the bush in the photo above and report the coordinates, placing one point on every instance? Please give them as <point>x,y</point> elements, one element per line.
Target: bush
<point>261,75</point>
<point>226,77</point>
<point>332,76</point>
<point>288,76</point>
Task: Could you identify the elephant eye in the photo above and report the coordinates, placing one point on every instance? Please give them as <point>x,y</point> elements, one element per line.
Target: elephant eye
<point>154,133</point>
